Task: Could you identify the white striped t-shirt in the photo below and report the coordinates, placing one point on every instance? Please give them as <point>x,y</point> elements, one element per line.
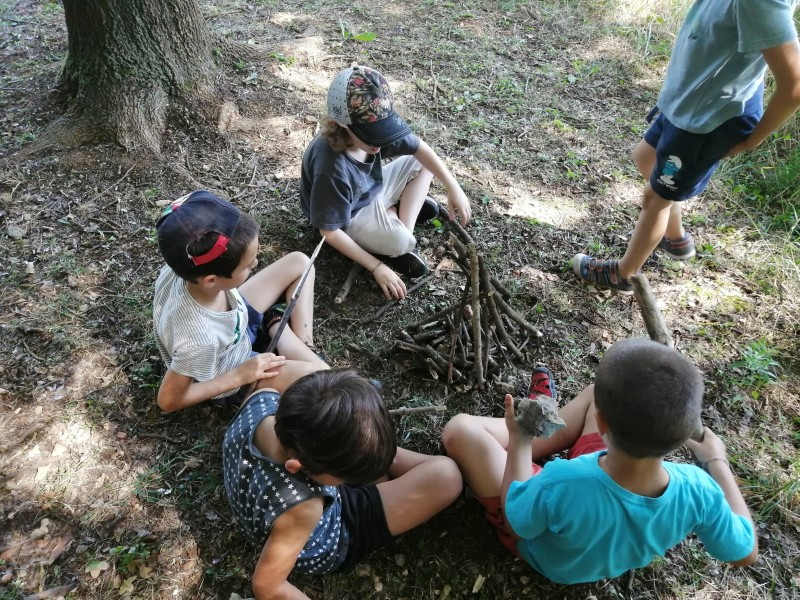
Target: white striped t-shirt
<point>194,341</point>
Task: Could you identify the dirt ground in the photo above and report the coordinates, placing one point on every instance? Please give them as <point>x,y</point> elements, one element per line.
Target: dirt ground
<point>536,106</point>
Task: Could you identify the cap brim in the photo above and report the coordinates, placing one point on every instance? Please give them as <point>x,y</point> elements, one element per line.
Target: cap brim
<point>383,132</point>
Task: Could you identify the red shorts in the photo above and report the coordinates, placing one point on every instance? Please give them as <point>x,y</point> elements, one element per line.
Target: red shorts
<point>586,444</point>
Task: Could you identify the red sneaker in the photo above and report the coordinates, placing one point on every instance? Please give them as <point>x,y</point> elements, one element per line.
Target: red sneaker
<point>542,383</point>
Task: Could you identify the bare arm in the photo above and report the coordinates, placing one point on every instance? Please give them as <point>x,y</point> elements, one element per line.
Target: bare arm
<point>784,62</point>
<point>389,281</point>
<point>178,391</point>
<point>708,452</point>
<point>456,198</point>
<point>286,539</point>
<point>518,462</point>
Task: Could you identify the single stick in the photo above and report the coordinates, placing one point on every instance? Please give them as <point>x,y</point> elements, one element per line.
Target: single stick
<point>434,365</point>
<point>348,283</point>
<point>476,316</point>
<point>500,287</point>
<point>380,312</point>
<point>413,410</point>
<point>655,324</point>
<point>456,225</point>
<point>434,317</point>
<point>653,319</point>
<point>273,343</point>
<point>519,319</point>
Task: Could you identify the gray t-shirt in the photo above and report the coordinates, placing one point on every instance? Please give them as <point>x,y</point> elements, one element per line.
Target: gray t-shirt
<point>334,186</point>
<point>717,65</point>
<point>194,341</point>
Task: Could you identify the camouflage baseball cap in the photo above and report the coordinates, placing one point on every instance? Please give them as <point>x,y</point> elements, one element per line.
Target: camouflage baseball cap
<point>360,99</point>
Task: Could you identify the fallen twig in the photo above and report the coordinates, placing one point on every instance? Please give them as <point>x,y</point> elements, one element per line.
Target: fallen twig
<point>348,283</point>
<point>382,310</point>
<point>401,412</point>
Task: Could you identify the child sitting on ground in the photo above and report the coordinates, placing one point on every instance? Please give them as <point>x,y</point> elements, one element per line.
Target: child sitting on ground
<point>365,210</point>
<point>300,472</point>
<point>615,504</point>
<point>206,313</point>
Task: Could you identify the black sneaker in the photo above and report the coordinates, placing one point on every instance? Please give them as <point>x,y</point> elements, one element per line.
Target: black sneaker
<point>429,210</point>
<point>601,274</point>
<point>410,264</point>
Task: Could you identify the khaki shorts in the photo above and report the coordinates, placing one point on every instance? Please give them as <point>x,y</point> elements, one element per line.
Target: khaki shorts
<point>374,228</point>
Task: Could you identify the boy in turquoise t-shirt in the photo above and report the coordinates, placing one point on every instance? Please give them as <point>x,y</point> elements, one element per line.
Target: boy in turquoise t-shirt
<point>710,108</point>
<point>616,503</point>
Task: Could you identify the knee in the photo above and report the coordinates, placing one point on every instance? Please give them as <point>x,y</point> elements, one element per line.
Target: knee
<point>448,477</point>
<point>398,242</point>
<point>653,202</point>
<point>299,262</point>
<point>455,432</point>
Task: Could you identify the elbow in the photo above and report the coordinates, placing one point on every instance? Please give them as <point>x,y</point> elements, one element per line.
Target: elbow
<point>167,402</point>
<point>749,559</point>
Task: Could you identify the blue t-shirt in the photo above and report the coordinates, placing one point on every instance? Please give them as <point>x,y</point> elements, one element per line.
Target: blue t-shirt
<point>334,186</point>
<point>261,490</point>
<point>716,64</point>
<point>578,525</point>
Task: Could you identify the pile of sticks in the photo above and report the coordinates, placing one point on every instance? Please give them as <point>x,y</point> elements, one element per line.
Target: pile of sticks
<point>468,340</point>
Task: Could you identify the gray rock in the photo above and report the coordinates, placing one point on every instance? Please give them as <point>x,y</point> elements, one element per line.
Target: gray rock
<point>538,417</point>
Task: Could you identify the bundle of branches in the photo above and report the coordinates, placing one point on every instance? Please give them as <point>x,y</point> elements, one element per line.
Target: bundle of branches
<point>469,339</point>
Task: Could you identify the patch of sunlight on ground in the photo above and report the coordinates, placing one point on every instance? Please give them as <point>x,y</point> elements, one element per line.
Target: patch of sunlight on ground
<point>558,211</point>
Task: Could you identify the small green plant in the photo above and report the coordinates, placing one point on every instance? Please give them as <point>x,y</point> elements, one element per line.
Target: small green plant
<point>757,365</point>
<point>348,34</point>
<point>282,58</point>
<point>128,559</point>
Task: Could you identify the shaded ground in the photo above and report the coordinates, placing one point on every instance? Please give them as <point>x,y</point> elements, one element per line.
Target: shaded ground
<point>536,106</point>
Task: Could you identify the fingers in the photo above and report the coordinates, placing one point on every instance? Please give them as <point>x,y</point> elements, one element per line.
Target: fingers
<point>509,402</point>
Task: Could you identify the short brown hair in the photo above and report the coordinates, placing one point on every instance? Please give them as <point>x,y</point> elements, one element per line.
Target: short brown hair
<point>649,395</point>
<point>336,423</point>
<point>336,135</point>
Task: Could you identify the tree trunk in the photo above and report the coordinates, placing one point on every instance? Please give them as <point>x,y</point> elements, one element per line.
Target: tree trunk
<point>126,61</point>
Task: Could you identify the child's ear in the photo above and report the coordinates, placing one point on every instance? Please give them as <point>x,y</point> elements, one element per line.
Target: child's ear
<point>293,466</point>
<point>207,281</point>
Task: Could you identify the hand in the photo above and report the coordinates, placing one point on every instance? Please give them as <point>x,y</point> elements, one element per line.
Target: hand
<point>711,446</point>
<point>390,282</point>
<point>261,366</point>
<point>743,146</point>
<point>457,201</point>
<point>515,432</point>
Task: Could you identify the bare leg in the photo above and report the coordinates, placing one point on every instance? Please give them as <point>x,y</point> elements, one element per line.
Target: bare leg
<point>644,157</point>
<point>650,228</point>
<point>421,486</point>
<point>478,444</point>
<point>289,373</point>
<point>293,348</point>
<point>302,319</point>
<point>413,196</point>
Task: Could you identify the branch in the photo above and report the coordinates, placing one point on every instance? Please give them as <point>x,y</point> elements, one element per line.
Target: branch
<point>351,278</point>
<point>401,412</point>
<point>380,312</point>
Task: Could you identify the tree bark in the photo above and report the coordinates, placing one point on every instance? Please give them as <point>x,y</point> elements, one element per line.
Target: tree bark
<point>127,60</point>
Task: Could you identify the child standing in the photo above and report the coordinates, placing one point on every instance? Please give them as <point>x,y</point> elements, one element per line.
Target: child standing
<point>616,503</point>
<point>710,108</point>
<point>367,210</point>
<point>206,313</point>
<point>300,472</point>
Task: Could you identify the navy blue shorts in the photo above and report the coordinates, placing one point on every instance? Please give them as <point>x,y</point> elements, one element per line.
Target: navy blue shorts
<point>363,516</point>
<point>685,161</point>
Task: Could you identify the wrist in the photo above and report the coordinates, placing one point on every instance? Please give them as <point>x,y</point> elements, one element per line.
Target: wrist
<point>375,268</point>
<point>714,459</point>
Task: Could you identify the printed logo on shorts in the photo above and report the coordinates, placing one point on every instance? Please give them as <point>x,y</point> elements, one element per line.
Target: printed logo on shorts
<point>671,168</point>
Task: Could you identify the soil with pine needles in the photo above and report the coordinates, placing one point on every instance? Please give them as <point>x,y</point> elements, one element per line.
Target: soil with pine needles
<point>536,106</point>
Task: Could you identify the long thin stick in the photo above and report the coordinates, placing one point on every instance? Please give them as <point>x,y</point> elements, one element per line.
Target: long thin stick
<point>380,312</point>
<point>273,343</point>
<point>413,410</point>
<point>476,316</point>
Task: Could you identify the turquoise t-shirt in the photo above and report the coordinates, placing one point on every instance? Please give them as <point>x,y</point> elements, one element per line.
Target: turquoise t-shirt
<point>716,64</point>
<point>579,526</point>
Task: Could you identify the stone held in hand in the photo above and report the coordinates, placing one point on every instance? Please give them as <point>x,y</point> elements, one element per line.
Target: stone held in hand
<point>538,416</point>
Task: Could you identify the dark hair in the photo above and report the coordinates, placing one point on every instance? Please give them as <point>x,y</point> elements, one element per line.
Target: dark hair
<point>335,423</point>
<point>226,263</point>
<point>337,136</point>
<point>649,395</point>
